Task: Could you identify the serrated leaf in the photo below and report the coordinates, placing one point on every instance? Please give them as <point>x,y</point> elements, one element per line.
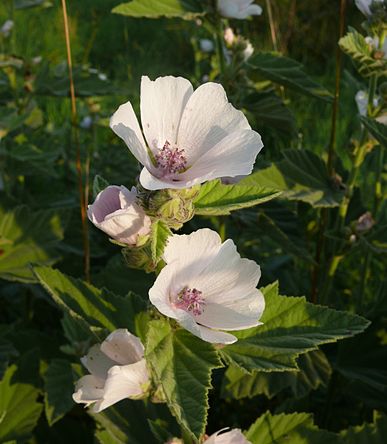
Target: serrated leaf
<point>182,365</point>
<point>295,428</point>
<point>377,129</point>
<point>291,326</point>
<point>19,410</point>
<point>287,72</point>
<point>216,199</point>
<point>315,371</point>
<point>26,238</point>
<point>374,433</point>
<point>301,175</point>
<point>59,387</point>
<point>354,45</point>
<point>93,307</point>
<point>185,9</point>
<point>159,237</point>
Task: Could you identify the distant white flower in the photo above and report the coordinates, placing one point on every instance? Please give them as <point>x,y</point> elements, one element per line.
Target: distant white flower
<point>36,60</point>
<point>248,51</point>
<point>229,36</point>
<point>86,122</point>
<point>238,9</point>
<point>207,287</point>
<point>361,99</point>
<point>118,371</point>
<point>234,436</point>
<point>192,136</point>
<point>116,212</point>
<point>206,45</point>
<point>7,28</point>
<point>102,76</point>
<point>365,6</point>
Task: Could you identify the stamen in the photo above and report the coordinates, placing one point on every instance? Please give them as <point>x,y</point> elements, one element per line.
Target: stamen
<point>191,300</point>
<point>170,160</point>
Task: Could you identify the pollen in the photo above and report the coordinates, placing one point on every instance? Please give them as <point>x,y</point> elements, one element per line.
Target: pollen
<point>171,160</point>
<point>191,300</point>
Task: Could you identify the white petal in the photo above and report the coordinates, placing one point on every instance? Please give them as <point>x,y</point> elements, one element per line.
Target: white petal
<point>88,389</point>
<point>123,347</point>
<point>204,333</point>
<point>125,124</point>
<point>253,10</point>
<point>162,104</point>
<point>234,436</point>
<point>124,381</point>
<point>97,362</point>
<point>151,182</point>
<point>207,119</point>
<point>106,202</point>
<point>233,156</point>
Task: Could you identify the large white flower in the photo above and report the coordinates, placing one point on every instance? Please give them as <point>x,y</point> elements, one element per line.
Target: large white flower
<point>238,9</point>
<point>191,136</point>
<point>234,436</point>
<point>118,371</point>
<point>365,6</point>
<point>207,287</point>
<point>116,212</point>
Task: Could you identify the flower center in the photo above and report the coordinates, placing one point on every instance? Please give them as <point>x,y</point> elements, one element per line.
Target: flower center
<point>191,300</point>
<point>170,159</point>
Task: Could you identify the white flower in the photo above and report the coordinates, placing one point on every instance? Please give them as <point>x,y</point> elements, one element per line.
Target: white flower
<point>248,51</point>
<point>207,287</point>
<point>116,212</point>
<point>7,28</point>
<point>206,45</point>
<point>229,36</point>
<point>238,9</point>
<point>118,371</point>
<point>192,136</point>
<point>364,6</point>
<point>234,436</point>
<point>361,99</point>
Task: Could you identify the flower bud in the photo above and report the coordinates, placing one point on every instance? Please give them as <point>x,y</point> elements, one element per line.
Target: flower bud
<point>116,212</point>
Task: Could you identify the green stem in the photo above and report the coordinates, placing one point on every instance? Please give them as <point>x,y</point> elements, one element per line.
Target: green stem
<point>219,46</point>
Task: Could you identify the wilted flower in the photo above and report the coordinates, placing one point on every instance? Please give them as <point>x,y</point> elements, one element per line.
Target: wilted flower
<point>374,45</point>
<point>365,6</point>
<point>118,371</point>
<point>238,9</point>
<point>365,222</point>
<point>207,287</point>
<point>206,45</point>
<point>234,436</point>
<point>7,28</point>
<point>192,136</point>
<point>116,212</point>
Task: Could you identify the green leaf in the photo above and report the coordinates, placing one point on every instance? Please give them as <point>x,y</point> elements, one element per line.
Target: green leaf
<point>216,199</point>
<point>301,175</point>
<point>93,307</point>
<point>26,238</point>
<point>377,129</point>
<point>99,184</point>
<point>291,327</point>
<point>59,387</point>
<point>355,46</point>
<point>7,351</point>
<point>159,237</point>
<point>287,72</point>
<point>19,410</point>
<point>374,433</point>
<point>315,371</point>
<point>182,365</point>
<point>185,9</point>
<point>295,428</point>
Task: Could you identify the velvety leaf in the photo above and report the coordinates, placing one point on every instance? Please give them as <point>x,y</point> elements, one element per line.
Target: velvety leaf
<point>159,238</point>
<point>374,433</point>
<point>216,199</point>
<point>99,184</point>
<point>93,307</point>
<point>26,238</point>
<point>182,365</point>
<point>7,351</point>
<point>301,175</point>
<point>287,72</point>
<point>185,9</point>
<point>377,129</point>
<point>315,371</point>
<point>59,387</point>
<point>295,428</point>
<point>19,409</point>
<point>361,52</point>
<point>291,326</point>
